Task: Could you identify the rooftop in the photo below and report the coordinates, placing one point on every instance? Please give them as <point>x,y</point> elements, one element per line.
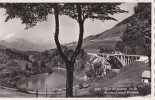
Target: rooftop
<point>146,74</point>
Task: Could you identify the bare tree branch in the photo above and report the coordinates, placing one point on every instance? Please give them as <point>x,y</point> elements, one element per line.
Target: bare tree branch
<point>81,32</point>
<point>56,36</point>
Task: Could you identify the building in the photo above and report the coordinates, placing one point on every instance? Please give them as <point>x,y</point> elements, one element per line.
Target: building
<point>146,77</point>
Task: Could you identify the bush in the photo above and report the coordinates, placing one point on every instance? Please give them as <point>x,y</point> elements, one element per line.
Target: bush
<point>144,89</point>
<point>80,86</point>
<point>98,93</point>
<point>112,74</point>
<point>90,73</point>
<point>50,71</point>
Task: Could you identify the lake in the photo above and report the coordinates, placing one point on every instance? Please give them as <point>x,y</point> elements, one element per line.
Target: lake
<point>40,82</point>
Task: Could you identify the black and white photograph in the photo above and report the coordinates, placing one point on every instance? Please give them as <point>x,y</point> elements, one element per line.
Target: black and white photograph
<point>76,49</point>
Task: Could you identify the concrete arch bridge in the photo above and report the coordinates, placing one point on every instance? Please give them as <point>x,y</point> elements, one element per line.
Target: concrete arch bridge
<point>122,58</point>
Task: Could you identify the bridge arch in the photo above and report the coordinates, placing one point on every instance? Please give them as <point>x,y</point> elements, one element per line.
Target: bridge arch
<point>108,58</point>
<point>122,63</point>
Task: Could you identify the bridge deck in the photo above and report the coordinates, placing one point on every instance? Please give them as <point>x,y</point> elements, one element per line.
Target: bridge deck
<point>117,54</point>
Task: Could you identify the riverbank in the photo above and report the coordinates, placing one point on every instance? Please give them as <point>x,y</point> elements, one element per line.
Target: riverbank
<point>15,94</point>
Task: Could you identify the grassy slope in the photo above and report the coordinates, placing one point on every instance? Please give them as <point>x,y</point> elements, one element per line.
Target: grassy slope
<point>106,39</point>
<point>115,32</point>
<point>128,74</point>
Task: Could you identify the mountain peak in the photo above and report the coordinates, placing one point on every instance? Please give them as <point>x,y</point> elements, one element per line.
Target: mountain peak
<point>20,39</point>
<point>24,45</point>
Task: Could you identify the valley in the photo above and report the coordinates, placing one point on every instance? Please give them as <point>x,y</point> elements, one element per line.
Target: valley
<point>30,68</point>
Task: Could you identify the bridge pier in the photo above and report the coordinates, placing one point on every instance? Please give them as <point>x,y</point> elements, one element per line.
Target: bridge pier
<point>133,59</point>
<point>127,59</point>
<point>130,59</point>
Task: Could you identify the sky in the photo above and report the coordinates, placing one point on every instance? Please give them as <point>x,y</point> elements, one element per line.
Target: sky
<point>43,32</point>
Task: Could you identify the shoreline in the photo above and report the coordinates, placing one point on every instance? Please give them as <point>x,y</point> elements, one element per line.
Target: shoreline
<point>52,91</point>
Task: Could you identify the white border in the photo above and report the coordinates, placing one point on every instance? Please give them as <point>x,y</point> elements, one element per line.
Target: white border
<point>93,1</point>
<point>75,1</point>
<point>153,52</point>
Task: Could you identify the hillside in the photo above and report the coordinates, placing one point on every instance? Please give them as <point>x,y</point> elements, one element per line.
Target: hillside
<point>12,63</point>
<point>106,39</point>
<point>15,64</point>
<point>9,57</point>
<point>23,45</point>
<point>127,20</point>
<point>129,74</point>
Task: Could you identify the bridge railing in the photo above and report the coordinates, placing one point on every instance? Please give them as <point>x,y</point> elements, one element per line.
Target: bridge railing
<point>118,54</point>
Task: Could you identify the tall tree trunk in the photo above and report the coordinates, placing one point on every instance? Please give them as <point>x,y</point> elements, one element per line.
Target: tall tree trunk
<point>69,79</point>
<point>69,62</point>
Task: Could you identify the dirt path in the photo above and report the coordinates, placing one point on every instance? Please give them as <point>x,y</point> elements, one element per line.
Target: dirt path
<point>15,94</point>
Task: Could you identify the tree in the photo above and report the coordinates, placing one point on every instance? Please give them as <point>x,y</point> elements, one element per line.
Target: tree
<point>30,14</point>
<point>138,31</point>
<point>42,64</point>
<point>26,67</point>
<point>35,67</point>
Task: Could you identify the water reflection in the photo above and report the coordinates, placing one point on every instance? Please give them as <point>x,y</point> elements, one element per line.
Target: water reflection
<point>39,82</point>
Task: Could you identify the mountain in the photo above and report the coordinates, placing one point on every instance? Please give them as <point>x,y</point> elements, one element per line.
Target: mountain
<point>2,46</point>
<point>23,45</point>
<point>106,39</point>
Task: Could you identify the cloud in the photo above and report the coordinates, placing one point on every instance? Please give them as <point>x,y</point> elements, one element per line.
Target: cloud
<point>9,37</point>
